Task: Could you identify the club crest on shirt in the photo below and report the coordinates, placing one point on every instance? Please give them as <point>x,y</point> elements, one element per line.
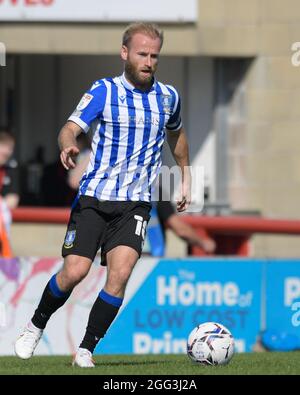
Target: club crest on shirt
<point>69,239</point>
<point>166,101</point>
<point>84,102</point>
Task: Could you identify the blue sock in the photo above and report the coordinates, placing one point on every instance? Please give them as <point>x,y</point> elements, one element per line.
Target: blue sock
<point>55,289</point>
<point>114,300</point>
<point>52,299</point>
<point>103,313</point>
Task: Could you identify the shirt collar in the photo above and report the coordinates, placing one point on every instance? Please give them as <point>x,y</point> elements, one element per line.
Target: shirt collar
<point>131,87</point>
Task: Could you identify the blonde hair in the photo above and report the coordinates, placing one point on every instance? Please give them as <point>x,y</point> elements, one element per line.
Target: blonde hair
<point>149,29</point>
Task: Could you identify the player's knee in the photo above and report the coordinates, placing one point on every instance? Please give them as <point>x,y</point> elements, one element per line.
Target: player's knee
<point>72,276</point>
<point>123,275</point>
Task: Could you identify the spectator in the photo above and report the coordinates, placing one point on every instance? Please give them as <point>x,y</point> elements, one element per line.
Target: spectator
<point>9,188</point>
<point>164,216</point>
<point>168,218</point>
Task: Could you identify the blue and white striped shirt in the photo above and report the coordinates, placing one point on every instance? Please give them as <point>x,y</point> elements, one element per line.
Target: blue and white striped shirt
<point>129,131</point>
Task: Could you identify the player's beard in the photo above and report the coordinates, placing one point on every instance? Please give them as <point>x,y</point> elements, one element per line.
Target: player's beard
<point>134,77</point>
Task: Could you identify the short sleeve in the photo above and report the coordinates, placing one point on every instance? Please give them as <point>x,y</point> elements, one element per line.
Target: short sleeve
<point>90,106</point>
<point>175,122</point>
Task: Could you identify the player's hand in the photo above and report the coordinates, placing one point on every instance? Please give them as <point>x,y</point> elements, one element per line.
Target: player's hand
<point>67,157</point>
<point>208,245</point>
<point>184,200</point>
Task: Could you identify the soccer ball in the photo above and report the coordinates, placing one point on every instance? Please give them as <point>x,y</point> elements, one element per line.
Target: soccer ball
<point>210,344</point>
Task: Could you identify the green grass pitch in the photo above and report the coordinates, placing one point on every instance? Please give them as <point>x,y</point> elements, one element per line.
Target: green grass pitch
<point>287,363</point>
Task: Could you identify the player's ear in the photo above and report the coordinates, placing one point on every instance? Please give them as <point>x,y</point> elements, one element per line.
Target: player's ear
<point>124,52</point>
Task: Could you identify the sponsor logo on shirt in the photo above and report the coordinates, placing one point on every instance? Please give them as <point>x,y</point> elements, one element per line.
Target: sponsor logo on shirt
<point>85,101</point>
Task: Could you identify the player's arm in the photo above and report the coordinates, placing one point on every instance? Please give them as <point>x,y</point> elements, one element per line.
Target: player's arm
<point>75,175</point>
<point>67,144</point>
<point>180,151</point>
<point>187,233</point>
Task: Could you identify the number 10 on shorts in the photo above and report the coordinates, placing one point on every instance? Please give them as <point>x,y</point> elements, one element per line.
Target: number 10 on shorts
<point>140,226</point>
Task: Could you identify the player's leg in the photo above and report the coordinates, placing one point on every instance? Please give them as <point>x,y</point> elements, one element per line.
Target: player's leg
<point>59,288</point>
<point>56,293</point>
<point>120,263</point>
<point>82,241</point>
<point>121,250</point>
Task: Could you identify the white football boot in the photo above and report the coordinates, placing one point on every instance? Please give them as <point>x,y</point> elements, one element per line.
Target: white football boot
<point>27,342</point>
<point>83,359</point>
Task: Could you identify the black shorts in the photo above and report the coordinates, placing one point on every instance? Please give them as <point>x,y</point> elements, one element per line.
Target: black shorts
<point>98,224</point>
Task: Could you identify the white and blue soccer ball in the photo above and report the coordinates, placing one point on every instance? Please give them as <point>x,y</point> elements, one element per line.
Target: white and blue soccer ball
<point>210,344</point>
